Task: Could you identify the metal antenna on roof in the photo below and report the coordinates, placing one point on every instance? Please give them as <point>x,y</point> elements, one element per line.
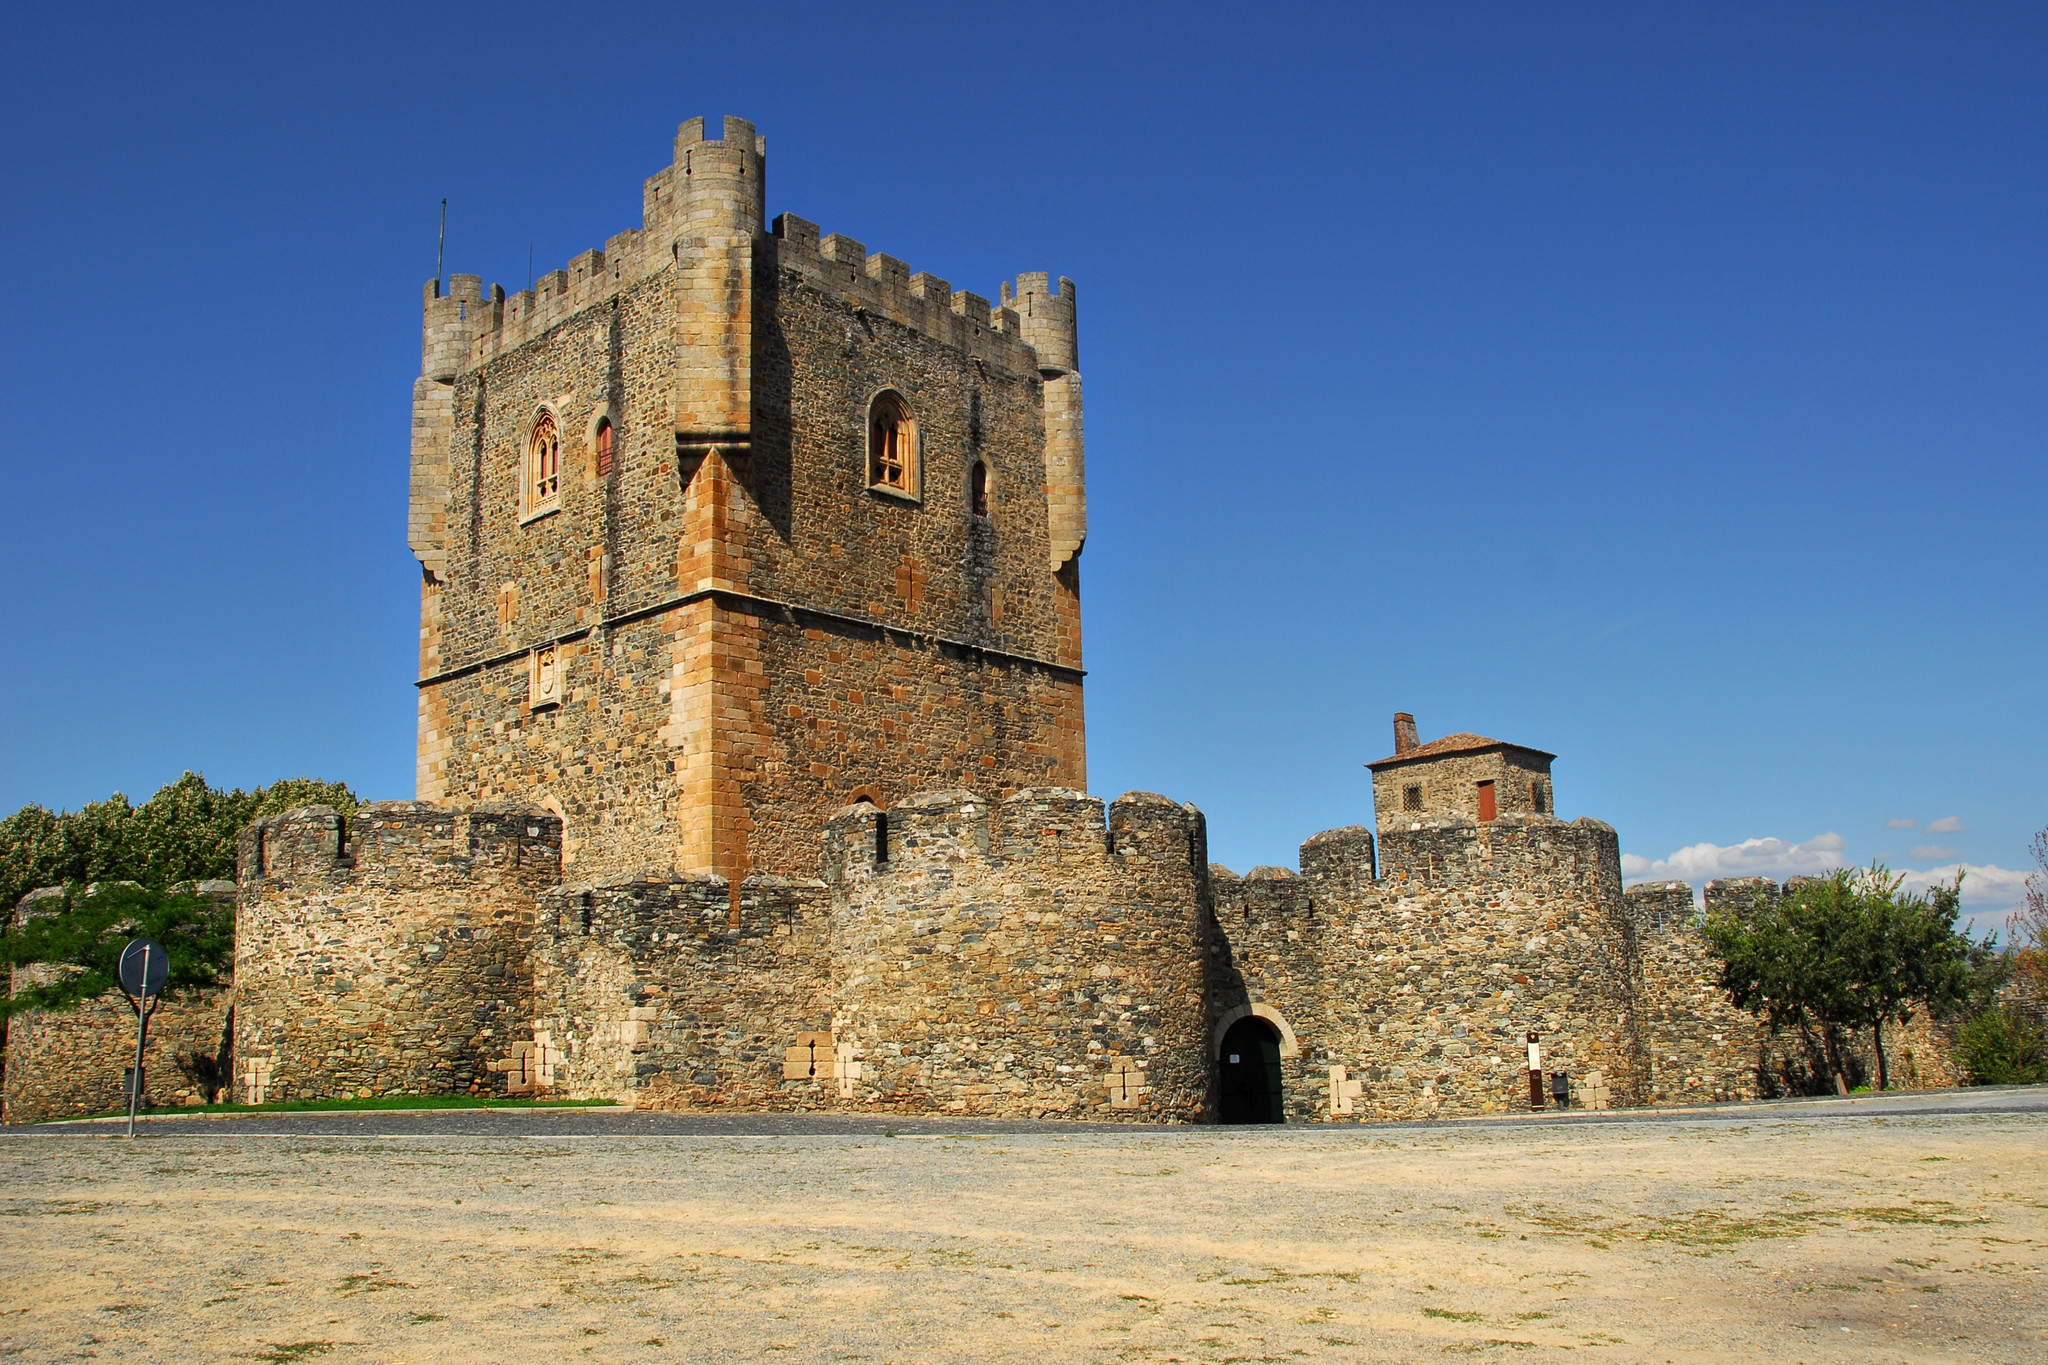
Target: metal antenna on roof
<point>529,267</point>
<point>441,249</point>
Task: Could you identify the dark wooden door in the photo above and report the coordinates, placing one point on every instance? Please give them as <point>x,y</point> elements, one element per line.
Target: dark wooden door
<point>1487,810</point>
<point>1248,1085</point>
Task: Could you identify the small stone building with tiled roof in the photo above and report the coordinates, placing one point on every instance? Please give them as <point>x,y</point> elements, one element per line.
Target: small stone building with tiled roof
<point>1458,777</point>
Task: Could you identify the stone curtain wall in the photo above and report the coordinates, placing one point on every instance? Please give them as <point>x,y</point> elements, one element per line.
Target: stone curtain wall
<point>650,993</point>
<point>1028,957</point>
<point>1020,958</point>
<point>1422,984</point>
<point>69,1062</point>
<point>1264,950</point>
<point>1699,1047</point>
<point>390,955</point>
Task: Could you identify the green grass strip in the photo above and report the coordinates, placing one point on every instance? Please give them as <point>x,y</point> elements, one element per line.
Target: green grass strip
<point>375,1102</point>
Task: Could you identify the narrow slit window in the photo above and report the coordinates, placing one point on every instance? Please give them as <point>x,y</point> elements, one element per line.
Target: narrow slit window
<point>1536,796</point>
<point>977,489</point>
<point>604,447</point>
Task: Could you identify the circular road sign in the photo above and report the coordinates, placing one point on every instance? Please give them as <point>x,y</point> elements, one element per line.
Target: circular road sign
<point>141,953</point>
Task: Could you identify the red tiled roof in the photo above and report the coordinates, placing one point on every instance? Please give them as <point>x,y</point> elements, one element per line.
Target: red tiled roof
<point>1464,743</point>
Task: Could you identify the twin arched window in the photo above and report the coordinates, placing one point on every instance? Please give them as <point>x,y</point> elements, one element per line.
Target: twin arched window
<point>541,488</point>
<point>892,445</point>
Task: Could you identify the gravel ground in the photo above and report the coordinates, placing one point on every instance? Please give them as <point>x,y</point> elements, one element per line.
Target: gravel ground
<point>1884,1230</point>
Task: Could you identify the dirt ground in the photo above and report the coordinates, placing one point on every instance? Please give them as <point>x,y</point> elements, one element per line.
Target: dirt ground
<point>1853,1239</point>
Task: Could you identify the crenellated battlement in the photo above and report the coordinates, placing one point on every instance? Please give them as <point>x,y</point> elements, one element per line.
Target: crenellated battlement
<point>1046,318</point>
<point>1047,831</point>
<point>1009,333</point>
<point>715,189</point>
<point>1659,908</point>
<point>399,843</point>
<point>1533,850</point>
<point>1738,895</point>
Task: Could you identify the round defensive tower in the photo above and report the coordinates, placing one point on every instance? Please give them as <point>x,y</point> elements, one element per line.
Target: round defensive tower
<point>388,952</point>
<point>1033,956</point>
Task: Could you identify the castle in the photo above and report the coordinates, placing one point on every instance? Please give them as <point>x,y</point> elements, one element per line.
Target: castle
<point>752,768</point>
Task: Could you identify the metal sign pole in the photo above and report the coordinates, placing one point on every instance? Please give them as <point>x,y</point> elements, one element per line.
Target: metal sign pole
<point>141,1028</point>
<point>145,968</point>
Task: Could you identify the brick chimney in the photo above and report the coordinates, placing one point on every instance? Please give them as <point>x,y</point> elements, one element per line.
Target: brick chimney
<point>1405,741</point>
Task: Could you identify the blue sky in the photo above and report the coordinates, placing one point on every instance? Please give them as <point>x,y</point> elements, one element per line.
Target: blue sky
<point>1659,385</point>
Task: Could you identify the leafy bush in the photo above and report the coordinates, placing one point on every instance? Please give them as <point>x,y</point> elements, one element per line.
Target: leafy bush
<point>83,944</point>
<point>2001,1046</point>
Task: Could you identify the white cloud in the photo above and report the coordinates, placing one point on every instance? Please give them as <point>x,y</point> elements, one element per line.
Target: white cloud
<point>1925,853</point>
<point>1901,823</point>
<point>1948,824</point>
<point>1990,892</point>
<point>1751,858</point>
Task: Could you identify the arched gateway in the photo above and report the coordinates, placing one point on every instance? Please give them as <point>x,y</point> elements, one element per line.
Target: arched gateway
<point>1248,1084</point>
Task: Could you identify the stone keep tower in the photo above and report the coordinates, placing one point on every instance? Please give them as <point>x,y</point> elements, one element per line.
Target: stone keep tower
<point>724,527</point>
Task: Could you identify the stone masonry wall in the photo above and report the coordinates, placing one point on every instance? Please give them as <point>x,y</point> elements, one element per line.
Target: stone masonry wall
<point>1421,983</point>
<point>70,1062</point>
<point>655,994</point>
<point>1259,962</point>
<point>1450,787</point>
<point>388,954</point>
<point>1023,959</point>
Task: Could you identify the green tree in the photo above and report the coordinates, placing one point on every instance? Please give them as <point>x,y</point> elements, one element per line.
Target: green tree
<point>186,832</point>
<point>1849,951</point>
<point>1904,951</point>
<point>2029,933</point>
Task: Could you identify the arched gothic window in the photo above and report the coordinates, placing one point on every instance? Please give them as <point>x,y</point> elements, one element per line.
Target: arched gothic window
<point>542,491</point>
<point>892,445</point>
